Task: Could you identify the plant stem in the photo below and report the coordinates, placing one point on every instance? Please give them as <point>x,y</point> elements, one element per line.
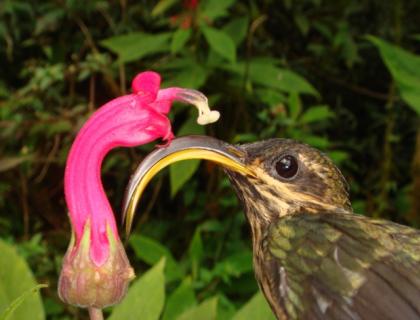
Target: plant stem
<point>386,181</point>
<point>25,204</point>
<point>387,156</point>
<point>95,314</point>
<point>414,214</point>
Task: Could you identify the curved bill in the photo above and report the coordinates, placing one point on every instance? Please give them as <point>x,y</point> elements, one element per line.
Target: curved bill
<point>184,148</point>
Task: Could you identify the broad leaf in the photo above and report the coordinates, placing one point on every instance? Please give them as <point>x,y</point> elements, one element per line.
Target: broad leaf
<point>15,280</point>
<point>302,23</point>
<point>60,126</point>
<point>179,39</point>
<point>136,45</point>
<point>271,96</point>
<point>338,157</point>
<point>181,172</point>
<point>256,308</point>
<point>265,72</point>
<point>316,113</point>
<point>145,298</point>
<point>186,74</point>
<point>235,265</point>
<point>237,29</point>
<point>221,43</point>
<point>207,310</point>
<point>216,8</point>
<point>162,6</point>
<point>295,105</point>
<point>315,141</point>
<point>226,308</point>
<point>180,300</point>
<point>196,252</point>
<point>405,69</point>
<point>7,314</point>
<point>151,251</point>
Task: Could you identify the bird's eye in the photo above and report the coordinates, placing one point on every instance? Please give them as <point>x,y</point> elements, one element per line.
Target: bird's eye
<point>287,166</point>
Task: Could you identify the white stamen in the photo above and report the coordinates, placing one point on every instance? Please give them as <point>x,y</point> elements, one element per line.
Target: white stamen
<point>196,98</point>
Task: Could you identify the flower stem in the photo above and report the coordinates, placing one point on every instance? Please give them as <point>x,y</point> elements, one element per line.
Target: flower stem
<point>95,314</point>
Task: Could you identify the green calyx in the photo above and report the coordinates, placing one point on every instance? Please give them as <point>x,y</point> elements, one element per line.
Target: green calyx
<point>84,284</point>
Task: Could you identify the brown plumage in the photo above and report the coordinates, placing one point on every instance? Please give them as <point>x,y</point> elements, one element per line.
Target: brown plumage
<point>314,258</point>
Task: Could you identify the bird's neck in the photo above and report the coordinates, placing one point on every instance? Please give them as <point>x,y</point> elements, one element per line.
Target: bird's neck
<point>264,206</point>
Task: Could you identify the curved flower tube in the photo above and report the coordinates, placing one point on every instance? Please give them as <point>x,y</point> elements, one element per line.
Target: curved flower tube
<point>96,271</point>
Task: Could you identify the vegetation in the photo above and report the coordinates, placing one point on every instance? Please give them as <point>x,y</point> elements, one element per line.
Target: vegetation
<point>342,76</point>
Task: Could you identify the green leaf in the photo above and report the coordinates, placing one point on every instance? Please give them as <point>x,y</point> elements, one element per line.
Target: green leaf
<point>53,307</point>
<point>193,77</point>
<point>237,29</point>
<point>225,308</point>
<point>265,72</point>
<point>59,126</point>
<point>295,105</point>
<point>256,308</point>
<point>136,45</point>
<point>213,9</point>
<point>49,20</point>
<point>316,141</point>
<point>207,310</point>
<point>404,68</point>
<point>162,6</point>
<point>17,298</point>
<point>180,300</point>
<point>179,39</point>
<point>270,96</point>
<point>290,81</point>
<point>338,156</point>
<point>145,298</point>
<point>302,23</point>
<point>6,315</point>
<point>316,113</point>
<point>245,137</point>
<point>196,252</point>
<point>235,265</point>
<point>221,43</point>
<point>151,251</point>
<point>181,172</point>
<point>186,74</point>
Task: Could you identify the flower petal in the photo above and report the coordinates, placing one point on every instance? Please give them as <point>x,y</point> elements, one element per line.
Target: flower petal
<point>146,85</point>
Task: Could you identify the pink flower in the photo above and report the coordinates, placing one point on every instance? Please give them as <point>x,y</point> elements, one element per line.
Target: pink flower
<point>96,271</point>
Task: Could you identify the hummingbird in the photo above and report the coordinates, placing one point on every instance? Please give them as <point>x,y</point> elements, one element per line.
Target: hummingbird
<point>313,257</point>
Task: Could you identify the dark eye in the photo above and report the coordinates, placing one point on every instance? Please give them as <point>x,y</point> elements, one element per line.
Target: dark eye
<point>287,166</point>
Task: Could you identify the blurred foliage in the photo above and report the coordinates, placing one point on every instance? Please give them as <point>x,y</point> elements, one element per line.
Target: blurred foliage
<point>19,298</point>
<point>342,76</point>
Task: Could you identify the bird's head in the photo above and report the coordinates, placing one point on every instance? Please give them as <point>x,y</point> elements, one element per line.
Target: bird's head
<point>273,178</point>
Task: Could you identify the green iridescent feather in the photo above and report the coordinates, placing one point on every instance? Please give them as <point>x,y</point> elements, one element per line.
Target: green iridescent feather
<point>343,266</point>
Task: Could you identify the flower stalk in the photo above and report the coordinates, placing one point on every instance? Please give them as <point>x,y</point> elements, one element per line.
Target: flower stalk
<point>95,314</point>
